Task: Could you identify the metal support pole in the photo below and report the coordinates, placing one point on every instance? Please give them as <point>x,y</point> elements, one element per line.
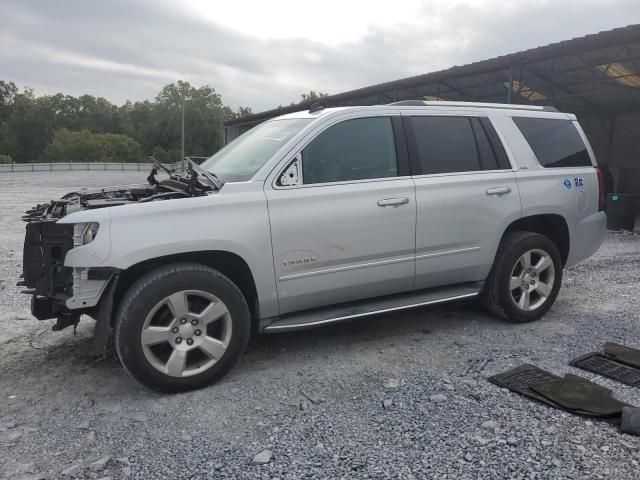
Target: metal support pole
<point>183,133</point>
<point>612,129</point>
<point>510,87</point>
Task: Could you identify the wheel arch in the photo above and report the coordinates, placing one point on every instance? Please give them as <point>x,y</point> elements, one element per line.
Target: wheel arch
<point>552,226</point>
<point>229,264</point>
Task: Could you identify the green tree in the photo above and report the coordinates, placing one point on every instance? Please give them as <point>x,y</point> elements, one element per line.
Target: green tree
<point>229,114</point>
<point>31,123</point>
<point>94,114</point>
<point>313,96</point>
<point>7,138</point>
<point>28,123</point>
<point>204,115</point>
<point>5,159</point>
<point>8,93</point>
<point>137,121</point>
<point>85,146</point>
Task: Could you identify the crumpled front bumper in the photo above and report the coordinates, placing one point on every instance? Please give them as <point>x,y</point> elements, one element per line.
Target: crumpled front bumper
<point>45,247</point>
<point>57,289</point>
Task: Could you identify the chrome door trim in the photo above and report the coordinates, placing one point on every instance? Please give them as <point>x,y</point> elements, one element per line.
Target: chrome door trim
<point>469,172</point>
<point>349,267</point>
<point>342,182</point>
<point>447,252</point>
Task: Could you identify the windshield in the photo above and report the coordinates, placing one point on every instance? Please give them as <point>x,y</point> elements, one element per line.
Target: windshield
<point>241,159</point>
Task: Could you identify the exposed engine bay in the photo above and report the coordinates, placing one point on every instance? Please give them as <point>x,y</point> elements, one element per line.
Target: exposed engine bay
<point>63,292</point>
<point>194,182</point>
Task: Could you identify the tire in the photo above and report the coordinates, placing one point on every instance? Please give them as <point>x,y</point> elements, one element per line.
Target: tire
<point>181,327</point>
<point>510,278</point>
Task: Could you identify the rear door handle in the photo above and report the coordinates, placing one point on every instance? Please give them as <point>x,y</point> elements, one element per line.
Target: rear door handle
<point>393,202</point>
<point>498,191</point>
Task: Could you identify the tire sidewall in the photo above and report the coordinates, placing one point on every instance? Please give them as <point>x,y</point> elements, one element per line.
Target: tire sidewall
<point>506,263</point>
<point>147,292</point>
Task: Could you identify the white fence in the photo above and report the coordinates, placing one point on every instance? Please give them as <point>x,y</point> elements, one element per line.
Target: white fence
<point>72,166</point>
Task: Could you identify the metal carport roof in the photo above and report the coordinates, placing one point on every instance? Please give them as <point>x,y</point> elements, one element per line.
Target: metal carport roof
<point>592,75</point>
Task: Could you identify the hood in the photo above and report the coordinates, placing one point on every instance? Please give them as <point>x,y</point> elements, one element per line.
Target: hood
<point>175,187</point>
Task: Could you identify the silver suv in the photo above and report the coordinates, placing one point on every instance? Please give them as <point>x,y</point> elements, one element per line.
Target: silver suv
<point>318,217</point>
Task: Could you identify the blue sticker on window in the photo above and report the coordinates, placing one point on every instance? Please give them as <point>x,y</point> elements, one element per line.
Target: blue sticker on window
<point>567,183</point>
<point>578,182</point>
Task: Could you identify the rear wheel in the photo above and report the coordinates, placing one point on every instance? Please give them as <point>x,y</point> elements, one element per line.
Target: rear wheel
<point>525,278</point>
<point>181,327</point>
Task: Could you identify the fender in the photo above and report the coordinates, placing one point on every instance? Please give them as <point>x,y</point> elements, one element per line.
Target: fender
<point>235,220</point>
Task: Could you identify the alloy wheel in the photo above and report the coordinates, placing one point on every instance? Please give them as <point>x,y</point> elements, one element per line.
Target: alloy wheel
<point>532,279</point>
<point>186,333</point>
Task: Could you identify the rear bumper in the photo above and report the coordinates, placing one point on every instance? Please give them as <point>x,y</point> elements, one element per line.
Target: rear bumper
<point>586,237</point>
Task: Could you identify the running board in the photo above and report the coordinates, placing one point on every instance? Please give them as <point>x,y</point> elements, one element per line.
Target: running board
<point>373,306</point>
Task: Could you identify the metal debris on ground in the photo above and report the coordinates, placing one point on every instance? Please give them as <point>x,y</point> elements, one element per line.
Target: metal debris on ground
<point>476,366</point>
<point>262,458</point>
<point>391,384</point>
<point>358,461</point>
<point>309,397</point>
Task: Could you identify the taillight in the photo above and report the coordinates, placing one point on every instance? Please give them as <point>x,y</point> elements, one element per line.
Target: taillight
<point>601,189</point>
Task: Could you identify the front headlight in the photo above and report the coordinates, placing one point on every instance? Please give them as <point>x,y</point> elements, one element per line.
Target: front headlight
<point>84,233</point>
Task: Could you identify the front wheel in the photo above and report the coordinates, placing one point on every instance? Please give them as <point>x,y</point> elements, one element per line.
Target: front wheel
<point>525,278</point>
<point>181,327</point>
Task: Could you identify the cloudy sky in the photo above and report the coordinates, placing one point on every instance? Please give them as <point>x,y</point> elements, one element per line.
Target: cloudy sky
<point>265,53</point>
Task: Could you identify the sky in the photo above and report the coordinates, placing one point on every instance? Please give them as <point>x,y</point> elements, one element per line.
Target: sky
<point>265,53</point>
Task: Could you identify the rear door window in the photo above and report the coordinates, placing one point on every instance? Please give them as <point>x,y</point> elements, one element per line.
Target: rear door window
<point>441,144</point>
<point>555,142</point>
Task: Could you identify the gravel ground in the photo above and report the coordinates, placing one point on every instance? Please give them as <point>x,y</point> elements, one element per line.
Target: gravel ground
<point>394,396</point>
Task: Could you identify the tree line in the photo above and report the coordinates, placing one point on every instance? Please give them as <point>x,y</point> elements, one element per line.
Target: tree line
<point>64,128</point>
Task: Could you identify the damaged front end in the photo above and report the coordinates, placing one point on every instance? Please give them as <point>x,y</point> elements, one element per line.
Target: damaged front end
<point>57,291</point>
<point>63,292</point>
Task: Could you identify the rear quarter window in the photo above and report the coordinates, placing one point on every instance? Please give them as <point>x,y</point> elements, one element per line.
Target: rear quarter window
<point>555,142</point>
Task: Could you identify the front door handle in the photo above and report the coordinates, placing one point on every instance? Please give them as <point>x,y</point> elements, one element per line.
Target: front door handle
<point>393,202</point>
<point>498,191</point>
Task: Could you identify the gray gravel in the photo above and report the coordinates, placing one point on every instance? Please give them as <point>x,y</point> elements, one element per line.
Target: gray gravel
<point>393,396</point>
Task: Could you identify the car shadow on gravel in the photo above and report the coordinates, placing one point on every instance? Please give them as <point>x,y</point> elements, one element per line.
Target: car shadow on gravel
<point>396,327</point>
<point>69,357</point>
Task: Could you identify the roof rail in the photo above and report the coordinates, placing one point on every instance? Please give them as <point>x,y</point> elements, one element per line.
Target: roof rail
<point>506,106</point>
